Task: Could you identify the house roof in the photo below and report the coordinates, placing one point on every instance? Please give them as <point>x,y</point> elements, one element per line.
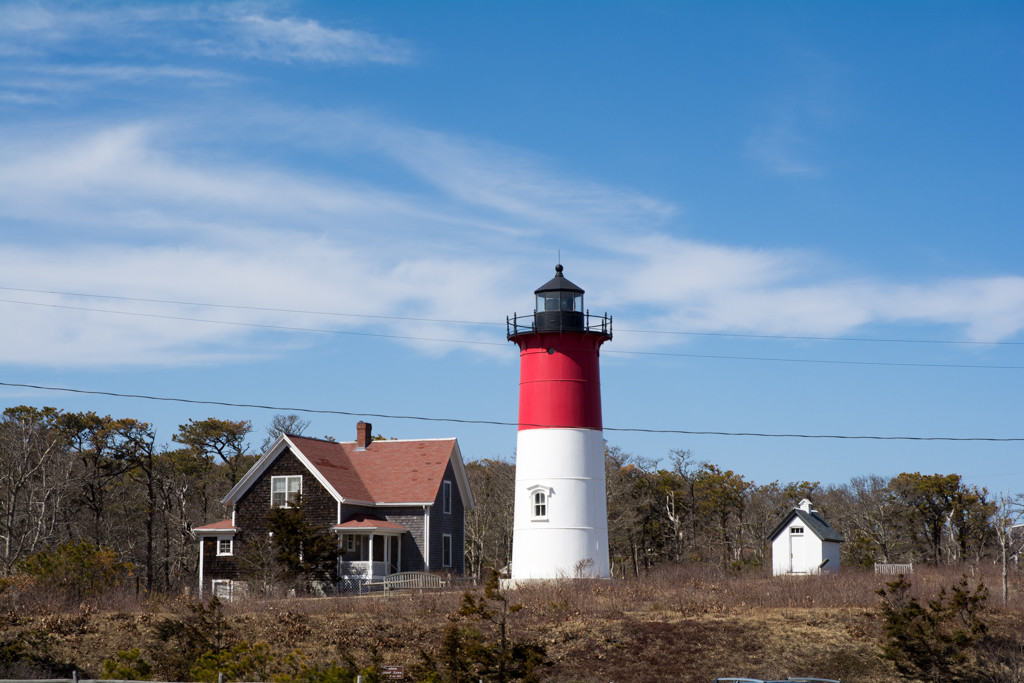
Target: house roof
<point>223,525</point>
<point>385,472</point>
<point>813,521</point>
<point>360,521</point>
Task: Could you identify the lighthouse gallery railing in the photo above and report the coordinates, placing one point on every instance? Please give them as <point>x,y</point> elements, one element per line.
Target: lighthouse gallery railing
<point>527,324</point>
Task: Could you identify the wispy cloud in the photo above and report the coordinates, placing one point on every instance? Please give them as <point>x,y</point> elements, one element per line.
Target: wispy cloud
<point>781,150</point>
<point>243,30</point>
<point>142,208</point>
<point>803,105</point>
<point>290,40</point>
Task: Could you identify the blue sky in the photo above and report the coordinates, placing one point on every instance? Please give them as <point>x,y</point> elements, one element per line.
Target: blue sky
<point>805,218</point>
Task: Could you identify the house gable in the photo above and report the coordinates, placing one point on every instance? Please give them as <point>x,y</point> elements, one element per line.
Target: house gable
<point>812,521</point>
<point>319,504</point>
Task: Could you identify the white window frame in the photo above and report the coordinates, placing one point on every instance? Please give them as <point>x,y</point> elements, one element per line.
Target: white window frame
<point>286,481</point>
<point>539,501</point>
<point>446,550</point>
<point>796,530</point>
<point>231,546</point>
<point>446,497</point>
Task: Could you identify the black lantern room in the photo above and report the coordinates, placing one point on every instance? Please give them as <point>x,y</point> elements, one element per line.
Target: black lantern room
<point>560,309</point>
<point>559,305</point>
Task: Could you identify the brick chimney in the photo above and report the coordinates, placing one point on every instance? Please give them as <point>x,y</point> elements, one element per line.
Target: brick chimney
<point>364,430</point>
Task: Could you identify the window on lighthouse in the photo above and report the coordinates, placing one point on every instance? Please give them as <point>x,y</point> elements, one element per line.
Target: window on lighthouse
<point>540,505</point>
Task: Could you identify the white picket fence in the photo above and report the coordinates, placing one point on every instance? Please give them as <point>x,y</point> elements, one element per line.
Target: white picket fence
<point>893,569</point>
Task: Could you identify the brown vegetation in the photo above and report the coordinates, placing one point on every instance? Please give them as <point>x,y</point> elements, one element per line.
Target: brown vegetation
<point>679,623</point>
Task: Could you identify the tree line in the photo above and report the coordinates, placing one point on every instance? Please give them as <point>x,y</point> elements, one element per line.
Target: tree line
<point>69,477</point>
<point>73,478</point>
<point>693,511</point>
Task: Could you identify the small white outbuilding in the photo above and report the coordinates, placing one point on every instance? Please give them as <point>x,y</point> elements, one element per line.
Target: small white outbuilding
<point>804,543</point>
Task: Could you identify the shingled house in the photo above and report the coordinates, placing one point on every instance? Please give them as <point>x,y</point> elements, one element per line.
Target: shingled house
<point>395,505</point>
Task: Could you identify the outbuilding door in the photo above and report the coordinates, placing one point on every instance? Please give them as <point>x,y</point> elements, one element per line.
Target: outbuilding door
<point>797,561</point>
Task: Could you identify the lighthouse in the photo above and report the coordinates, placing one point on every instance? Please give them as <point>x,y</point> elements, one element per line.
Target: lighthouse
<point>560,525</point>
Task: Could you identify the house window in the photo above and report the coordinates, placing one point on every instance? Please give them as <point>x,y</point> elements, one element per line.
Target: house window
<point>446,550</point>
<point>284,491</point>
<point>222,589</point>
<point>540,505</point>
<point>446,497</point>
<point>796,530</point>
<point>224,546</point>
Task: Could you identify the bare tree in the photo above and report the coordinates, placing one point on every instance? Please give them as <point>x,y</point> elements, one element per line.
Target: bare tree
<point>284,424</point>
<point>1009,530</point>
<point>489,525</point>
<point>34,476</point>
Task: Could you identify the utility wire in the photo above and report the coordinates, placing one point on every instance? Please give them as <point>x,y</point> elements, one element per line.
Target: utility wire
<point>247,308</point>
<point>490,323</point>
<point>257,325</point>
<point>822,361</point>
<point>286,409</point>
<point>289,328</point>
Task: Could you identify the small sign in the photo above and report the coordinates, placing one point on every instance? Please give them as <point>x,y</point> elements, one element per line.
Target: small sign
<point>392,671</point>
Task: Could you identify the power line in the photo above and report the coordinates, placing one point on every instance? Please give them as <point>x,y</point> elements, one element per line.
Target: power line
<point>248,308</point>
<point>823,361</point>
<point>287,328</point>
<point>290,328</point>
<point>490,323</point>
<point>500,423</point>
<point>797,337</point>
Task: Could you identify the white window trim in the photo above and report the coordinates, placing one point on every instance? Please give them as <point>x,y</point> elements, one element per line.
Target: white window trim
<point>285,478</point>
<point>796,530</point>
<point>546,492</point>
<point>539,500</point>
<point>446,539</point>
<point>231,546</point>
<point>446,497</point>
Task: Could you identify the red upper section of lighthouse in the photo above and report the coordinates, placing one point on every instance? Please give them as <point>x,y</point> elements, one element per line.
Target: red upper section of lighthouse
<point>559,376</point>
<point>559,380</point>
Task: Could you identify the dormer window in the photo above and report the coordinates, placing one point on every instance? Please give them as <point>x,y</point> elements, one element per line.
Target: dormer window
<point>285,491</point>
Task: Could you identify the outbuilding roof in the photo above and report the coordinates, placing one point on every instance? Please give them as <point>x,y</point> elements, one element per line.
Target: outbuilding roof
<point>813,521</point>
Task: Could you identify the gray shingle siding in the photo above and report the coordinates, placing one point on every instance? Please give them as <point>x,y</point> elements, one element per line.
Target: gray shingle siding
<point>441,524</point>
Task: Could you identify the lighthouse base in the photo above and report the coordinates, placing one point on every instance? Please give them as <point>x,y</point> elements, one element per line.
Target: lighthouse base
<point>560,528</point>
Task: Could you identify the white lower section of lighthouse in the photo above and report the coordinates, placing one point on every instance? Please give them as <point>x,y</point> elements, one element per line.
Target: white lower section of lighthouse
<point>560,528</point>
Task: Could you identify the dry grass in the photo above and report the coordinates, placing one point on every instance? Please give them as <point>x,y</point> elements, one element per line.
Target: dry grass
<point>676,624</point>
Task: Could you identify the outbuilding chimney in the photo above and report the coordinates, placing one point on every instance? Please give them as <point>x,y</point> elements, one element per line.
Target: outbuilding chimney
<point>363,434</point>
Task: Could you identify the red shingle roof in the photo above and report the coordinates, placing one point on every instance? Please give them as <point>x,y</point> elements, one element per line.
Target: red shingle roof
<point>385,472</point>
